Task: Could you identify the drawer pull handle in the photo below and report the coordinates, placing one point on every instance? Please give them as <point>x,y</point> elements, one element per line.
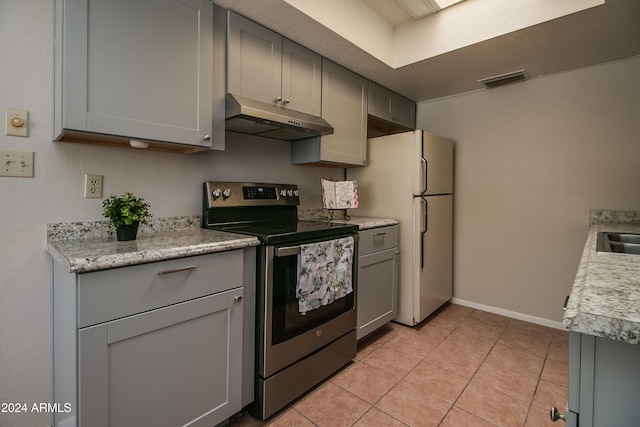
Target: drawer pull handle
<point>238,298</point>
<point>288,251</point>
<point>379,234</point>
<point>177,270</point>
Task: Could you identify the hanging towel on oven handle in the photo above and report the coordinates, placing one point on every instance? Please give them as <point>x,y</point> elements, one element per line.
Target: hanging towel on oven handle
<point>325,273</point>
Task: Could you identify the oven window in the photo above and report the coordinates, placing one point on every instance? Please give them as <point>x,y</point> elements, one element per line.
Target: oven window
<point>286,317</point>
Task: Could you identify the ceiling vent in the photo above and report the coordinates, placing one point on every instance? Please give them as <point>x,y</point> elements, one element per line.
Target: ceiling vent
<point>505,79</point>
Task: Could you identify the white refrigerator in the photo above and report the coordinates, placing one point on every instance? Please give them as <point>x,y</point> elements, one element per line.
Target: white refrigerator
<point>409,177</point>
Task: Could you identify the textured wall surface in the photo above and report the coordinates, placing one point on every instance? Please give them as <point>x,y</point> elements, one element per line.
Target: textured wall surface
<point>531,160</point>
<point>171,183</point>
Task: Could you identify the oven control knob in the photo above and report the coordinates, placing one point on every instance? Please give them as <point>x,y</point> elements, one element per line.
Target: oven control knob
<point>226,193</point>
<point>216,193</point>
<point>296,193</point>
<point>289,193</point>
<point>283,193</point>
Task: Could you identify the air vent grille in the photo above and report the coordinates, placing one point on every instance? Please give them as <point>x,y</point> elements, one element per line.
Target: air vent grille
<point>504,79</point>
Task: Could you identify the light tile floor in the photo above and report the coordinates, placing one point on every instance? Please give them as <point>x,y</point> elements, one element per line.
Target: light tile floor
<point>461,367</point>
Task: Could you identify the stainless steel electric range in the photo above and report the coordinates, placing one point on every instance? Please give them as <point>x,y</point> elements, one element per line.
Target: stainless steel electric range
<point>294,350</point>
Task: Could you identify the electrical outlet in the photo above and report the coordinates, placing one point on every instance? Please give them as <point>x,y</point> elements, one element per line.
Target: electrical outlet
<point>93,186</point>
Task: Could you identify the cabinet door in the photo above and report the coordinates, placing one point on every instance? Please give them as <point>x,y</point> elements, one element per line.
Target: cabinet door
<point>404,111</point>
<point>391,107</point>
<point>377,290</point>
<point>171,366</point>
<point>380,101</point>
<point>138,69</point>
<point>254,60</point>
<point>604,381</point>
<point>301,78</point>
<point>344,106</point>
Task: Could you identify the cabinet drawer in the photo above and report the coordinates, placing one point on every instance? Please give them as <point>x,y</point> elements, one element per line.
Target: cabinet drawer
<point>377,239</point>
<point>112,294</point>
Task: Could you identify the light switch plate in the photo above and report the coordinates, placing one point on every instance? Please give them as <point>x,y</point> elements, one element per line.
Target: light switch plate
<point>16,122</point>
<point>16,163</point>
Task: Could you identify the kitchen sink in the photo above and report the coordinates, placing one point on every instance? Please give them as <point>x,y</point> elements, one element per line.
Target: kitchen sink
<point>623,243</point>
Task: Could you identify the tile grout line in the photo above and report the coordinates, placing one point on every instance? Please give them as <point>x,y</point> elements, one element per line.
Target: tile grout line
<point>422,359</point>
<point>458,321</point>
<point>471,378</point>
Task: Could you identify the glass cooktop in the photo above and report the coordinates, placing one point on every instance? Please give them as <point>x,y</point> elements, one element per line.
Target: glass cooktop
<point>288,231</point>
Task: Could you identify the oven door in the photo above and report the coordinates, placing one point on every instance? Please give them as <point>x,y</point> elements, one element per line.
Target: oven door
<point>286,335</point>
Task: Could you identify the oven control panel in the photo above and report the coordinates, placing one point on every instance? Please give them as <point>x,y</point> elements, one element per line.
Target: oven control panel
<point>229,194</point>
<point>260,193</point>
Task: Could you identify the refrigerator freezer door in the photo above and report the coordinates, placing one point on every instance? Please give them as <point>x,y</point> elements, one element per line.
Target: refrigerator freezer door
<point>387,186</point>
<point>433,270</point>
<point>436,171</point>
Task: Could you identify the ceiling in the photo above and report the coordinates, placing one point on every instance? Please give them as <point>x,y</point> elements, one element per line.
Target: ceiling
<point>392,11</point>
<point>603,33</point>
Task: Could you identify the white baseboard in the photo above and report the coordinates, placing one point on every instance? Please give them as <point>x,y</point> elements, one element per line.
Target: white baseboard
<point>511,314</point>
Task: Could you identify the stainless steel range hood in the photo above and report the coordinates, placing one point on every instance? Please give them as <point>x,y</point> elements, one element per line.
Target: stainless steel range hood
<point>253,117</point>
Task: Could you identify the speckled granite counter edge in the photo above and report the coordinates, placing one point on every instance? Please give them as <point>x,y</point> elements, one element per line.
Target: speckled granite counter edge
<point>100,229</point>
<point>89,246</point>
<point>613,217</point>
<point>344,217</point>
<point>365,223</point>
<point>326,215</point>
<point>604,299</point>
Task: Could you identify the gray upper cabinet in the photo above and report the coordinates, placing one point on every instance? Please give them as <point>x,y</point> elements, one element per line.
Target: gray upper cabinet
<point>254,60</point>
<point>264,66</point>
<point>391,107</point>
<point>139,69</point>
<point>344,106</point>
<point>301,78</point>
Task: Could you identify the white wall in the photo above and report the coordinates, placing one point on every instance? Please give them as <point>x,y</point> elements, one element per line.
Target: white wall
<point>472,22</point>
<point>531,160</point>
<point>171,183</point>
<point>465,24</point>
<point>355,22</point>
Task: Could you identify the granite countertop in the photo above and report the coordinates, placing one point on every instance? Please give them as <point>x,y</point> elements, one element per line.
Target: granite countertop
<point>605,298</point>
<point>83,247</point>
<point>366,223</point>
<point>343,217</point>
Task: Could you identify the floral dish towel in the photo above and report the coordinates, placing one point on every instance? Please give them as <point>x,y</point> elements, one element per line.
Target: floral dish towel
<point>325,273</point>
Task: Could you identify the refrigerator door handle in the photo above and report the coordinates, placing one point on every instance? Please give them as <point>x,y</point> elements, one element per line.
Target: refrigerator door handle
<point>424,175</point>
<point>423,229</point>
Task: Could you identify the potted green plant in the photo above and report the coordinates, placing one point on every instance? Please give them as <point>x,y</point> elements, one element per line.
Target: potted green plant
<point>125,213</point>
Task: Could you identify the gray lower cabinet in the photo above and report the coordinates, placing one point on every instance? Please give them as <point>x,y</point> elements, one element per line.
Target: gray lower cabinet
<point>344,106</point>
<point>377,293</point>
<point>604,382</point>
<point>139,69</point>
<point>154,344</point>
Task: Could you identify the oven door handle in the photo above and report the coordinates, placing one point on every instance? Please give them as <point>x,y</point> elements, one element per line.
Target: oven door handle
<point>287,251</point>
